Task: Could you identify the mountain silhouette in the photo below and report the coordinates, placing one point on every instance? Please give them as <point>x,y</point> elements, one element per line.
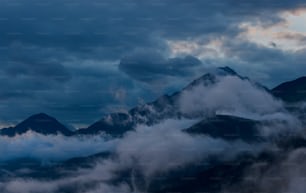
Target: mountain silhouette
<point>39,123</point>
<point>291,91</point>
<point>165,107</point>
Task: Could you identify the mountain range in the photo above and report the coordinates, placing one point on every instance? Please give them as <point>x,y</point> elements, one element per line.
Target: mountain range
<point>165,107</point>
<point>254,147</point>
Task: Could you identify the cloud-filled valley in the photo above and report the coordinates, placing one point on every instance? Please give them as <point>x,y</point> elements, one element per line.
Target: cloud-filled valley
<point>147,152</point>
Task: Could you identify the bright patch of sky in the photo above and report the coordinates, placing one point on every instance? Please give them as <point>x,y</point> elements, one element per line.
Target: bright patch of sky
<point>289,35</point>
<point>202,50</point>
<point>297,21</point>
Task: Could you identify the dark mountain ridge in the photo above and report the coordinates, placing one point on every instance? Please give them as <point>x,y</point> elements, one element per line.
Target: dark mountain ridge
<point>211,175</point>
<point>291,91</point>
<point>228,128</point>
<point>39,123</point>
<point>165,107</point>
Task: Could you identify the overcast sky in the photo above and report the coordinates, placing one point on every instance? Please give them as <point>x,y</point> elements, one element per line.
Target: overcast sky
<point>78,60</point>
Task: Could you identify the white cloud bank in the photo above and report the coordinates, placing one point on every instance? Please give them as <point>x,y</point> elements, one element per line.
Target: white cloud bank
<point>232,95</point>
<point>52,147</point>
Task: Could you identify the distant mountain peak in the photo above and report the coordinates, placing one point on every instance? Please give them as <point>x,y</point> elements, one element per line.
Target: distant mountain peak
<point>228,70</point>
<point>205,79</point>
<point>211,76</point>
<point>42,116</point>
<point>39,123</point>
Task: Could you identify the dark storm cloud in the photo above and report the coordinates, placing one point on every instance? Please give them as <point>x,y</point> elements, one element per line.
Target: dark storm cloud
<point>72,58</point>
<point>277,65</point>
<point>83,27</point>
<point>149,67</point>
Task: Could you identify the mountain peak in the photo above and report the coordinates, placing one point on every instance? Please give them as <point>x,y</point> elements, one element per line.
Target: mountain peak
<point>40,116</point>
<point>228,70</point>
<point>211,76</point>
<point>39,123</point>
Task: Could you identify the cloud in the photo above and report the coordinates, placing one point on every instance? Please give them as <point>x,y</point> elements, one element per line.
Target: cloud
<point>151,67</point>
<point>147,151</point>
<point>261,63</point>
<point>52,147</point>
<point>33,63</point>
<point>230,95</point>
<point>165,147</point>
<point>233,96</point>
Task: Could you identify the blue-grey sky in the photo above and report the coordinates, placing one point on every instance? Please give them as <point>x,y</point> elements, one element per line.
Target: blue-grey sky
<point>78,60</point>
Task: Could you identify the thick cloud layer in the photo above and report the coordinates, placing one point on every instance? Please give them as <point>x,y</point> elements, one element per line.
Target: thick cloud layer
<point>152,67</point>
<point>230,95</point>
<point>147,150</point>
<point>52,147</point>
